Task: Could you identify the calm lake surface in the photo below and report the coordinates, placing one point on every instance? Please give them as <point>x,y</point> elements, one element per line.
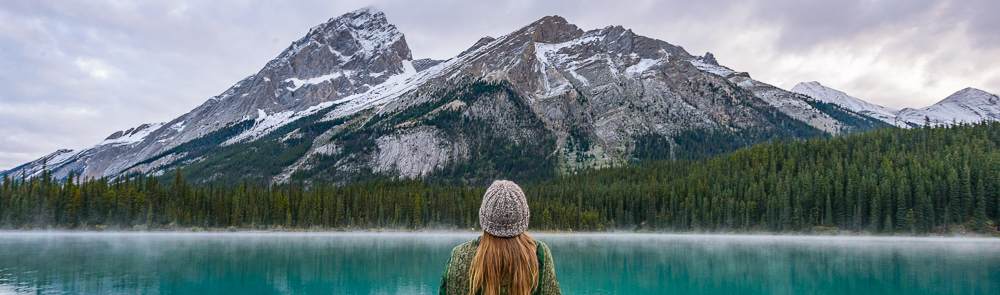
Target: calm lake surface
<point>403,263</point>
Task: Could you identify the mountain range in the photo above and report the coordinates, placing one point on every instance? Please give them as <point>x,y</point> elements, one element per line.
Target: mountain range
<point>966,106</point>
<point>348,102</point>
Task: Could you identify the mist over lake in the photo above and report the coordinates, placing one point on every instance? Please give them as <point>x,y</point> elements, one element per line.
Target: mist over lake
<point>412,263</point>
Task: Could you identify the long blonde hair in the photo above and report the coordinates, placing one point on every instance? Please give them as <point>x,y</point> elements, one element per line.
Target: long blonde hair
<point>510,262</point>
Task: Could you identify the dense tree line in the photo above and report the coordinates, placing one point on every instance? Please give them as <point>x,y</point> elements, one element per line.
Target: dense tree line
<point>889,180</point>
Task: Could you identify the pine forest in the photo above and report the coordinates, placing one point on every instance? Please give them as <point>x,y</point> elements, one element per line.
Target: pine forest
<point>887,181</point>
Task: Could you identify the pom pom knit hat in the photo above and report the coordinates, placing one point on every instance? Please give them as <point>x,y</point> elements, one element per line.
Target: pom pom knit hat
<point>504,212</point>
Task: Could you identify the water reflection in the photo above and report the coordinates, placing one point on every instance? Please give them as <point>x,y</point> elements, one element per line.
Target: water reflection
<point>225,263</point>
<point>659,264</point>
<point>362,263</point>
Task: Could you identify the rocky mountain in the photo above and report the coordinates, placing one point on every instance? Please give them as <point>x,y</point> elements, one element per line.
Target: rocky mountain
<point>968,105</point>
<point>347,102</point>
<point>348,55</point>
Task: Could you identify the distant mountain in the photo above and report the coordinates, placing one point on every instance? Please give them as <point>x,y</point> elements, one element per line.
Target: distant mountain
<point>830,95</point>
<point>968,105</point>
<point>348,102</point>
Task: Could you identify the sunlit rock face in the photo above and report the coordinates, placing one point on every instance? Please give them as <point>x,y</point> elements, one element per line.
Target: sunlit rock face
<point>348,102</point>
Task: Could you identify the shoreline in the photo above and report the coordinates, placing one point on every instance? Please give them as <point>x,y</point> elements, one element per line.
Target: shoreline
<point>845,234</point>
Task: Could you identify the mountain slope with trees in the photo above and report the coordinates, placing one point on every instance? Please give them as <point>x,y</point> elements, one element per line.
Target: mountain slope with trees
<point>922,180</point>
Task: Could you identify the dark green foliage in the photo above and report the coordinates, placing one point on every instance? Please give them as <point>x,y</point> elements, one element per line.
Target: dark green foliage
<point>499,158</point>
<point>857,182</point>
<point>701,143</point>
<point>979,207</point>
<point>651,147</point>
<point>578,143</point>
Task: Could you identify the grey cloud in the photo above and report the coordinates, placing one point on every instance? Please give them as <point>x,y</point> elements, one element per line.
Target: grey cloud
<point>979,18</point>
<point>805,23</point>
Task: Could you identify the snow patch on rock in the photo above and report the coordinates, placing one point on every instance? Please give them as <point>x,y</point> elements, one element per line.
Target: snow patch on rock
<point>133,136</point>
<point>714,69</point>
<point>265,124</point>
<point>642,66</point>
<point>298,83</point>
<point>178,127</point>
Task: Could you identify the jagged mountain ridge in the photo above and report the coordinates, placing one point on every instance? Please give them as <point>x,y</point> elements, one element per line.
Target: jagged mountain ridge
<point>584,99</point>
<point>967,106</point>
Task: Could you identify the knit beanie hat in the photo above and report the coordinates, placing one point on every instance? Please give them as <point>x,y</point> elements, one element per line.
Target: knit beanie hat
<point>504,212</point>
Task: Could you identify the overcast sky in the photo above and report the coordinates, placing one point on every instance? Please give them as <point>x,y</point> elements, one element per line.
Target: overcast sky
<point>73,72</point>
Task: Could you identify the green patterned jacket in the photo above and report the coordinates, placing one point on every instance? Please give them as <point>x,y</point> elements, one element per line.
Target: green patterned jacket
<point>456,275</point>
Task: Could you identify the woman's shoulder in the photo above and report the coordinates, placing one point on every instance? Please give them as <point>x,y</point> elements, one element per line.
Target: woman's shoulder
<point>541,246</point>
<point>466,247</point>
<point>471,246</point>
<point>543,253</point>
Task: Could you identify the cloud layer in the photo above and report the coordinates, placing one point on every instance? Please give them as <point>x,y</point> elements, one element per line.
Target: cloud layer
<point>71,73</point>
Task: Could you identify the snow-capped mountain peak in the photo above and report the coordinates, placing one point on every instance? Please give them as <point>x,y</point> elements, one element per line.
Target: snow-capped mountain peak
<point>968,105</point>
<point>370,30</point>
<point>971,96</point>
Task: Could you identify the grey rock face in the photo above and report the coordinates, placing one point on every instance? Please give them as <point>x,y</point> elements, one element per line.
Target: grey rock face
<point>415,152</point>
<point>425,63</point>
<point>709,59</point>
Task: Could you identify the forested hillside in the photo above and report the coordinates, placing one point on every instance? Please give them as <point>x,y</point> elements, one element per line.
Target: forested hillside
<point>925,180</point>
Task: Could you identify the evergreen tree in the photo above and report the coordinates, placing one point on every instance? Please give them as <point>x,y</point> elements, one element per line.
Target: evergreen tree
<point>906,225</point>
<point>954,198</point>
<point>979,217</point>
<point>417,222</point>
<point>902,205</point>
<point>967,199</point>
<point>875,211</point>
<point>923,218</point>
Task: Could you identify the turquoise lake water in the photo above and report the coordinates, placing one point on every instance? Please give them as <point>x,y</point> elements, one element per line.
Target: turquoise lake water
<point>404,263</point>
